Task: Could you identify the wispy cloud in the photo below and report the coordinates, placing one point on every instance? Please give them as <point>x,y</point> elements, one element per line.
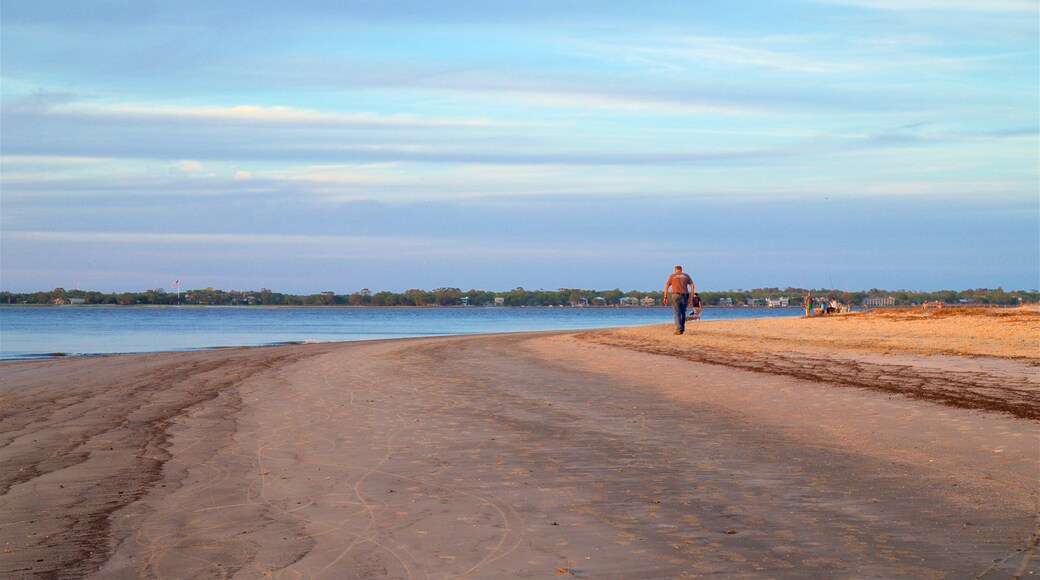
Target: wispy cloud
<point>815,57</point>
<point>274,134</point>
<point>357,248</point>
<point>234,115</point>
<point>745,52</point>
<point>196,238</point>
<point>1012,6</point>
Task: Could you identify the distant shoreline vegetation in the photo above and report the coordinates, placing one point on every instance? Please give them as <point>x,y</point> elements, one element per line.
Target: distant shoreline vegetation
<point>758,297</point>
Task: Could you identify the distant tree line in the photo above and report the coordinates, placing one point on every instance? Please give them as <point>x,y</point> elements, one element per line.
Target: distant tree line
<point>515,297</point>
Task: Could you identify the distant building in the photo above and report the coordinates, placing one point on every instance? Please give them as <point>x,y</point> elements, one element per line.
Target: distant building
<point>629,301</point>
<point>725,301</point>
<point>648,301</point>
<point>464,301</point>
<point>500,301</point>
<point>753,302</point>
<point>236,297</point>
<point>781,302</point>
<point>875,301</point>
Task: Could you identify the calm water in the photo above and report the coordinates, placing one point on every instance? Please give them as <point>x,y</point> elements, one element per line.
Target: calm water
<point>27,332</point>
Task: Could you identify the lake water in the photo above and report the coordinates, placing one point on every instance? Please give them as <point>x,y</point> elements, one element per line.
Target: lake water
<point>30,332</point>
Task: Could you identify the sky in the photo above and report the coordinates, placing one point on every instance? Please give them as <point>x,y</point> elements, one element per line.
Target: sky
<point>311,146</point>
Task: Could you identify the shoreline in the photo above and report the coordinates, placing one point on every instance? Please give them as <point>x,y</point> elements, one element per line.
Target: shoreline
<point>503,455</point>
<point>910,308</point>
<point>903,313</point>
<point>452,321</point>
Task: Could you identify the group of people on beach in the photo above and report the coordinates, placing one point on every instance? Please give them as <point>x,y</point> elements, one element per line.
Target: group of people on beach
<point>681,288</point>
<point>831,306</point>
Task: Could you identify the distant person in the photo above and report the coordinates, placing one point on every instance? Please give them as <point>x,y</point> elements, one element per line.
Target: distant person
<point>680,285</point>
<point>695,305</point>
<point>807,301</point>
<point>833,308</point>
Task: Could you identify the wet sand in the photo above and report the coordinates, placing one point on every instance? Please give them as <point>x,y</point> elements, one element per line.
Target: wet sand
<point>612,453</point>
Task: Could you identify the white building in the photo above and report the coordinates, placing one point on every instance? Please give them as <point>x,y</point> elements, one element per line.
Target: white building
<point>874,301</point>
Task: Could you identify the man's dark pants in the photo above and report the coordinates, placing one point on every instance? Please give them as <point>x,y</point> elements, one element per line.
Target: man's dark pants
<point>679,302</point>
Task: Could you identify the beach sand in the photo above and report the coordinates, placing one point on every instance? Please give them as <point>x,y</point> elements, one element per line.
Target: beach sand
<point>835,447</point>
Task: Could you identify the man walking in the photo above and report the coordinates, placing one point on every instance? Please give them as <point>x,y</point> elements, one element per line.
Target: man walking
<point>680,285</point>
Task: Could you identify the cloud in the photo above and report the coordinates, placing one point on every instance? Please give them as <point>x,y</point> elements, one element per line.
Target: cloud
<point>875,240</point>
<point>251,115</point>
<point>271,134</point>
<point>186,238</point>
<point>989,6</point>
<point>64,162</point>
<point>357,248</point>
<point>700,51</point>
<point>816,58</point>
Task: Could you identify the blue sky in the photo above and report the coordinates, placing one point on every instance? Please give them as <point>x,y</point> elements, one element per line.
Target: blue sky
<point>314,146</point>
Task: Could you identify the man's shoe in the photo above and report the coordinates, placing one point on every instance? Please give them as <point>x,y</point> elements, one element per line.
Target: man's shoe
<point>677,332</point>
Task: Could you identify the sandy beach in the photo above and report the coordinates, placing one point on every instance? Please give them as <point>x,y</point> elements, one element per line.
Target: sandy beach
<point>885,444</point>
